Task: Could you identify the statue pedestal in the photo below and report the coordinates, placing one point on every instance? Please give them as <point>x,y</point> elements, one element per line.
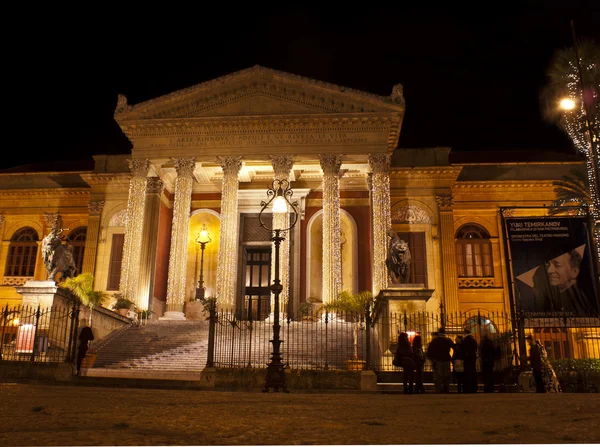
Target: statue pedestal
<point>402,307</point>
<point>409,298</point>
<point>44,294</point>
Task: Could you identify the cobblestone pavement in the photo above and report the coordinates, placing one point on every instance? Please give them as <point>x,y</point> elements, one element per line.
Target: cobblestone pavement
<point>44,415</point>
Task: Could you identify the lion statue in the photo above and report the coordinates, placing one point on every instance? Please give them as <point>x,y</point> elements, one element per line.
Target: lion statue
<point>58,258</point>
<point>398,259</point>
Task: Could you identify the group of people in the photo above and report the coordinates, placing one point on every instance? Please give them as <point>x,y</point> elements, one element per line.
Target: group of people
<point>447,357</point>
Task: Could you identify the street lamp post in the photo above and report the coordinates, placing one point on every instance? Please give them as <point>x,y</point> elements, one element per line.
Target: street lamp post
<point>202,239</point>
<point>279,195</point>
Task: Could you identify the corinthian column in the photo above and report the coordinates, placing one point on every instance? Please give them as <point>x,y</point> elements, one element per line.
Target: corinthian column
<point>228,244</point>
<point>179,238</point>
<point>282,165</point>
<point>332,266</point>
<point>445,204</point>
<point>133,229</point>
<point>91,238</point>
<point>154,190</point>
<point>382,220</point>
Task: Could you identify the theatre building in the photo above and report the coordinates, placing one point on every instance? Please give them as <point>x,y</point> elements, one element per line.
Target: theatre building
<point>203,158</point>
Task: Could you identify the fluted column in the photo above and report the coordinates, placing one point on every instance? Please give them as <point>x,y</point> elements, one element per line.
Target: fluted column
<point>133,229</point>
<point>228,244</point>
<point>445,204</point>
<point>382,220</point>
<point>154,188</point>
<point>332,266</point>
<point>282,165</point>
<point>92,236</point>
<point>179,238</point>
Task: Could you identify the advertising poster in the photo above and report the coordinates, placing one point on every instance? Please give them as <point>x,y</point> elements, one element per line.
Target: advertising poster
<point>552,266</point>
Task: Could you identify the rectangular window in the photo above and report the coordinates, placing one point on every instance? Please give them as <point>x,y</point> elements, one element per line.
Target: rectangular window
<point>116,259</point>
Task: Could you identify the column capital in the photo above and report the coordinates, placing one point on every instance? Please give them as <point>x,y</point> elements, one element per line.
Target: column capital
<point>95,207</point>
<point>282,165</point>
<point>139,166</point>
<point>52,219</point>
<point>154,185</point>
<point>370,181</point>
<point>380,163</point>
<point>445,203</point>
<point>185,166</point>
<point>2,219</point>
<point>331,164</point>
<point>230,165</point>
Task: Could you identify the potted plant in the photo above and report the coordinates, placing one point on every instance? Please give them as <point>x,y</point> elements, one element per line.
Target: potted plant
<point>355,306</point>
<point>122,305</point>
<point>82,287</point>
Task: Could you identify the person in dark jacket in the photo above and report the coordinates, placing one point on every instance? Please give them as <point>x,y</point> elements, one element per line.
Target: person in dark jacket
<point>469,348</point>
<point>535,359</point>
<point>404,358</point>
<point>489,353</point>
<point>419,358</point>
<point>458,363</point>
<point>85,337</point>
<point>439,353</point>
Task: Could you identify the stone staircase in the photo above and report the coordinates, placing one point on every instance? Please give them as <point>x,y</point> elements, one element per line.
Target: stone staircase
<point>164,349</point>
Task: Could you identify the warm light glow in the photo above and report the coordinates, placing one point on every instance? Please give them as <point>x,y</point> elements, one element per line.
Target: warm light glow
<point>203,237</point>
<point>15,322</point>
<point>279,205</point>
<point>567,104</point>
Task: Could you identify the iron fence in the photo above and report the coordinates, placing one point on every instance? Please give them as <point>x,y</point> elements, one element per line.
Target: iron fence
<point>320,340</point>
<point>38,334</point>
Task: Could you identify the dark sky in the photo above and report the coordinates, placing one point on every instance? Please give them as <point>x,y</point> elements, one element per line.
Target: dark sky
<point>471,77</point>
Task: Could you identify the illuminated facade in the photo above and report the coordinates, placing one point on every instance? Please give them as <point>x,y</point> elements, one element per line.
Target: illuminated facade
<point>205,155</point>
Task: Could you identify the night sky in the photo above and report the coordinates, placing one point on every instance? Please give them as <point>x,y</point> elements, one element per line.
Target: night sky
<point>472,77</point>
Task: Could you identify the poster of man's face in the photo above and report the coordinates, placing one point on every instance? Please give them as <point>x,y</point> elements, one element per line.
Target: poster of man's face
<point>552,266</point>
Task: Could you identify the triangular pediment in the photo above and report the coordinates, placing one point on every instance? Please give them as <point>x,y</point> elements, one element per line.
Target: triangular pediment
<point>260,91</point>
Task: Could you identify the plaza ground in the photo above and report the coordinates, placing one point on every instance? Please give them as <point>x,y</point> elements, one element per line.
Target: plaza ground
<point>44,415</point>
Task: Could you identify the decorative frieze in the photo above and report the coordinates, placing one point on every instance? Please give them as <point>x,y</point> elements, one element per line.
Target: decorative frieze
<point>475,283</point>
<point>411,214</point>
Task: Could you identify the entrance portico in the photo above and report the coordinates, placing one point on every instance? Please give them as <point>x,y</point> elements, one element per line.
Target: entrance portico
<point>219,144</point>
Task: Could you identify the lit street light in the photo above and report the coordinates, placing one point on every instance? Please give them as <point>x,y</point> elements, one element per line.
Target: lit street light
<point>202,239</point>
<point>279,198</point>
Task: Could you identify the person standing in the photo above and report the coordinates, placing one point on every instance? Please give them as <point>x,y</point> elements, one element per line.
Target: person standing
<point>458,363</point>
<point>439,353</point>
<point>419,357</point>
<point>535,360</point>
<point>551,383</point>
<point>470,353</point>
<point>489,353</point>
<point>404,359</point>
<point>85,337</point>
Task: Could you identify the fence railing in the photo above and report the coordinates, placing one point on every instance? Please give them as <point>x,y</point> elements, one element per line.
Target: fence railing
<point>344,341</point>
<point>36,334</point>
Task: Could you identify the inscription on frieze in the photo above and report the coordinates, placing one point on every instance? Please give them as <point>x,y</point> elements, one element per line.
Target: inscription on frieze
<point>318,138</point>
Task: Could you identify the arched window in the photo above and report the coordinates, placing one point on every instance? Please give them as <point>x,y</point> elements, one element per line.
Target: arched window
<point>473,252</point>
<point>22,252</point>
<point>76,239</point>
